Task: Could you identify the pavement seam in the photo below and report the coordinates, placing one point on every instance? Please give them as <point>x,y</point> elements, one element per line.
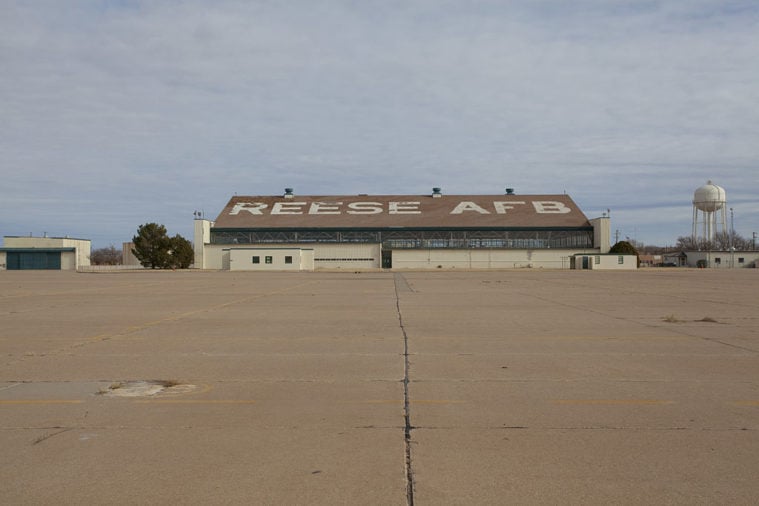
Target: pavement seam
<point>400,280</point>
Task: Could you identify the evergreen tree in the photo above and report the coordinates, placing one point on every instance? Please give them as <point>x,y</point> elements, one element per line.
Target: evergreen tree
<point>152,245</point>
<point>181,253</point>
<point>155,249</point>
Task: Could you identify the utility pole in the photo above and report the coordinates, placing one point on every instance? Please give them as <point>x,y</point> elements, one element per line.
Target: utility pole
<point>732,238</point>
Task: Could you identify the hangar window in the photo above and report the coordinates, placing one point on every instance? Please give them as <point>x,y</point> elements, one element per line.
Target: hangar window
<point>598,259</point>
<point>288,259</point>
<point>268,259</point>
<point>620,259</point>
<point>741,260</point>
<point>718,260</point>
<point>256,260</point>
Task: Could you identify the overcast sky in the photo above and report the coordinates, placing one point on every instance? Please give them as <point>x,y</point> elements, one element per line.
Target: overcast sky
<point>118,113</point>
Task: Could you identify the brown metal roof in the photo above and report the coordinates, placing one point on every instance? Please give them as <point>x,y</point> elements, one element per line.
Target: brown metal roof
<point>408,211</point>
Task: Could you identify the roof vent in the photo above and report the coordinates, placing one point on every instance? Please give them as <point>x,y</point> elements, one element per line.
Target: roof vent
<point>436,193</point>
<point>289,193</point>
<point>509,191</point>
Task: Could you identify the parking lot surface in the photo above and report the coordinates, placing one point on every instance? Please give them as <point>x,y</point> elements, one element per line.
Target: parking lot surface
<point>425,388</point>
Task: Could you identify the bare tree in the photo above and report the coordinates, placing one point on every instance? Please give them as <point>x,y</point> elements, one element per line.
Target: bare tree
<point>723,241</point>
<point>106,256</point>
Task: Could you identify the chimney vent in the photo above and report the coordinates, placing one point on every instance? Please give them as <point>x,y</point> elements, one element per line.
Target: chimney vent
<point>289,193</point>
<point>509,191</point>
<point>436,193</point>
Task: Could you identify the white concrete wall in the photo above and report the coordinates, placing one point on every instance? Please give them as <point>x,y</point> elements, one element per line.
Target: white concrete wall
<point>307,260</point>
<point>347,256</point>
<point>608,262</point>
<point>68,260</point>
<point>324,256</point>
<point>602,233</point>
<point>213,256</point>
<point>369,256</point>
<point>201,237</point>
<point>83,251</point>
<point>241,259</point>
<point>482,259</point>
<point>723,259</point>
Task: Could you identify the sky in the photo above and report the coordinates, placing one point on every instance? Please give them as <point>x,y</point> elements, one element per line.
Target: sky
<point>118,113</point>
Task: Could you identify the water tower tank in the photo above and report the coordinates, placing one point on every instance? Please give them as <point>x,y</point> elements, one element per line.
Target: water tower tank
<point>709,198</point>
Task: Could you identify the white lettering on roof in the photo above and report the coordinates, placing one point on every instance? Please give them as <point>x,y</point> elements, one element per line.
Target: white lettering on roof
<point>468,206</point>
<point>251,207</point>
<point>325,208</point>
<point>404,208</point>
<point>550,207</point>
<point>502,207</point>
<point>287,208</point>
<point>366,208</point>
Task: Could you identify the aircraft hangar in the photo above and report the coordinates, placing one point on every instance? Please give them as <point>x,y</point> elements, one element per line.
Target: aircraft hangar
<point>433,231</point>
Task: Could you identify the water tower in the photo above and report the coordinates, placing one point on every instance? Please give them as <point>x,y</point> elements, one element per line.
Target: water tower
<point>709,211</point>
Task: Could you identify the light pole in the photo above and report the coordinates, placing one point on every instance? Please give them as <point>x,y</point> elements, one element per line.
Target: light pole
<point>732,238</point>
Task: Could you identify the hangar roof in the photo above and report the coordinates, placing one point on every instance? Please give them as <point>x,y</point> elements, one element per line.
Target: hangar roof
<point>401,211</point>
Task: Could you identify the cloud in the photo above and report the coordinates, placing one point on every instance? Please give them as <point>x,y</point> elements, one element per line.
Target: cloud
<point>152,109</point>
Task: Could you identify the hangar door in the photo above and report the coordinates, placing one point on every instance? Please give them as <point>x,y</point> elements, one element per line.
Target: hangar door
<point>26,260</point>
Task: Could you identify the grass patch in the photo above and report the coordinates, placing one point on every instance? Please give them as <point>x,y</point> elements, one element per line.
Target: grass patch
<point>708,319</point>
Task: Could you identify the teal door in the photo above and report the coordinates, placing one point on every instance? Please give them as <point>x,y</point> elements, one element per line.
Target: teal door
<point>33,260</point>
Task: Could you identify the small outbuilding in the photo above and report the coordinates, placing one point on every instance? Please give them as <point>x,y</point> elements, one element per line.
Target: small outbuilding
<point>44,253</point>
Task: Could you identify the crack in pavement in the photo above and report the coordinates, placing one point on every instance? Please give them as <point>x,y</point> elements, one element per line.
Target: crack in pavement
<point>401,284</point>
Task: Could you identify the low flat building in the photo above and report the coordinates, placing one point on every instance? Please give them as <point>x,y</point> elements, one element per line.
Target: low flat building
<point>722,259</point>
<point>44,253</point>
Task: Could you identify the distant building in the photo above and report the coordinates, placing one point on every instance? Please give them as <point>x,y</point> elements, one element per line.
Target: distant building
<point>44,253</point>
<point>722,259</point>
<point>651,260</point>
<point>127,257</point>
<point>290,232</point>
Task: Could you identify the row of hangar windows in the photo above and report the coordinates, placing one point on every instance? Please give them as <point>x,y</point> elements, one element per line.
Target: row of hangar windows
<point>416,239</point>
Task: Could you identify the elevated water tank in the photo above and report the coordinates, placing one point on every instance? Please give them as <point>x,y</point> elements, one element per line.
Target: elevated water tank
<point>709,213</point>
<point>709,198</point>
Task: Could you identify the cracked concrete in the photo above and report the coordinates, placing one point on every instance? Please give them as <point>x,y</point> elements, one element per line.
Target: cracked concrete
<point>523,387</point>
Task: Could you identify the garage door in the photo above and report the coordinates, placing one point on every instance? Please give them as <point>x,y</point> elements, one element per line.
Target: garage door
<point>26,260</point>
